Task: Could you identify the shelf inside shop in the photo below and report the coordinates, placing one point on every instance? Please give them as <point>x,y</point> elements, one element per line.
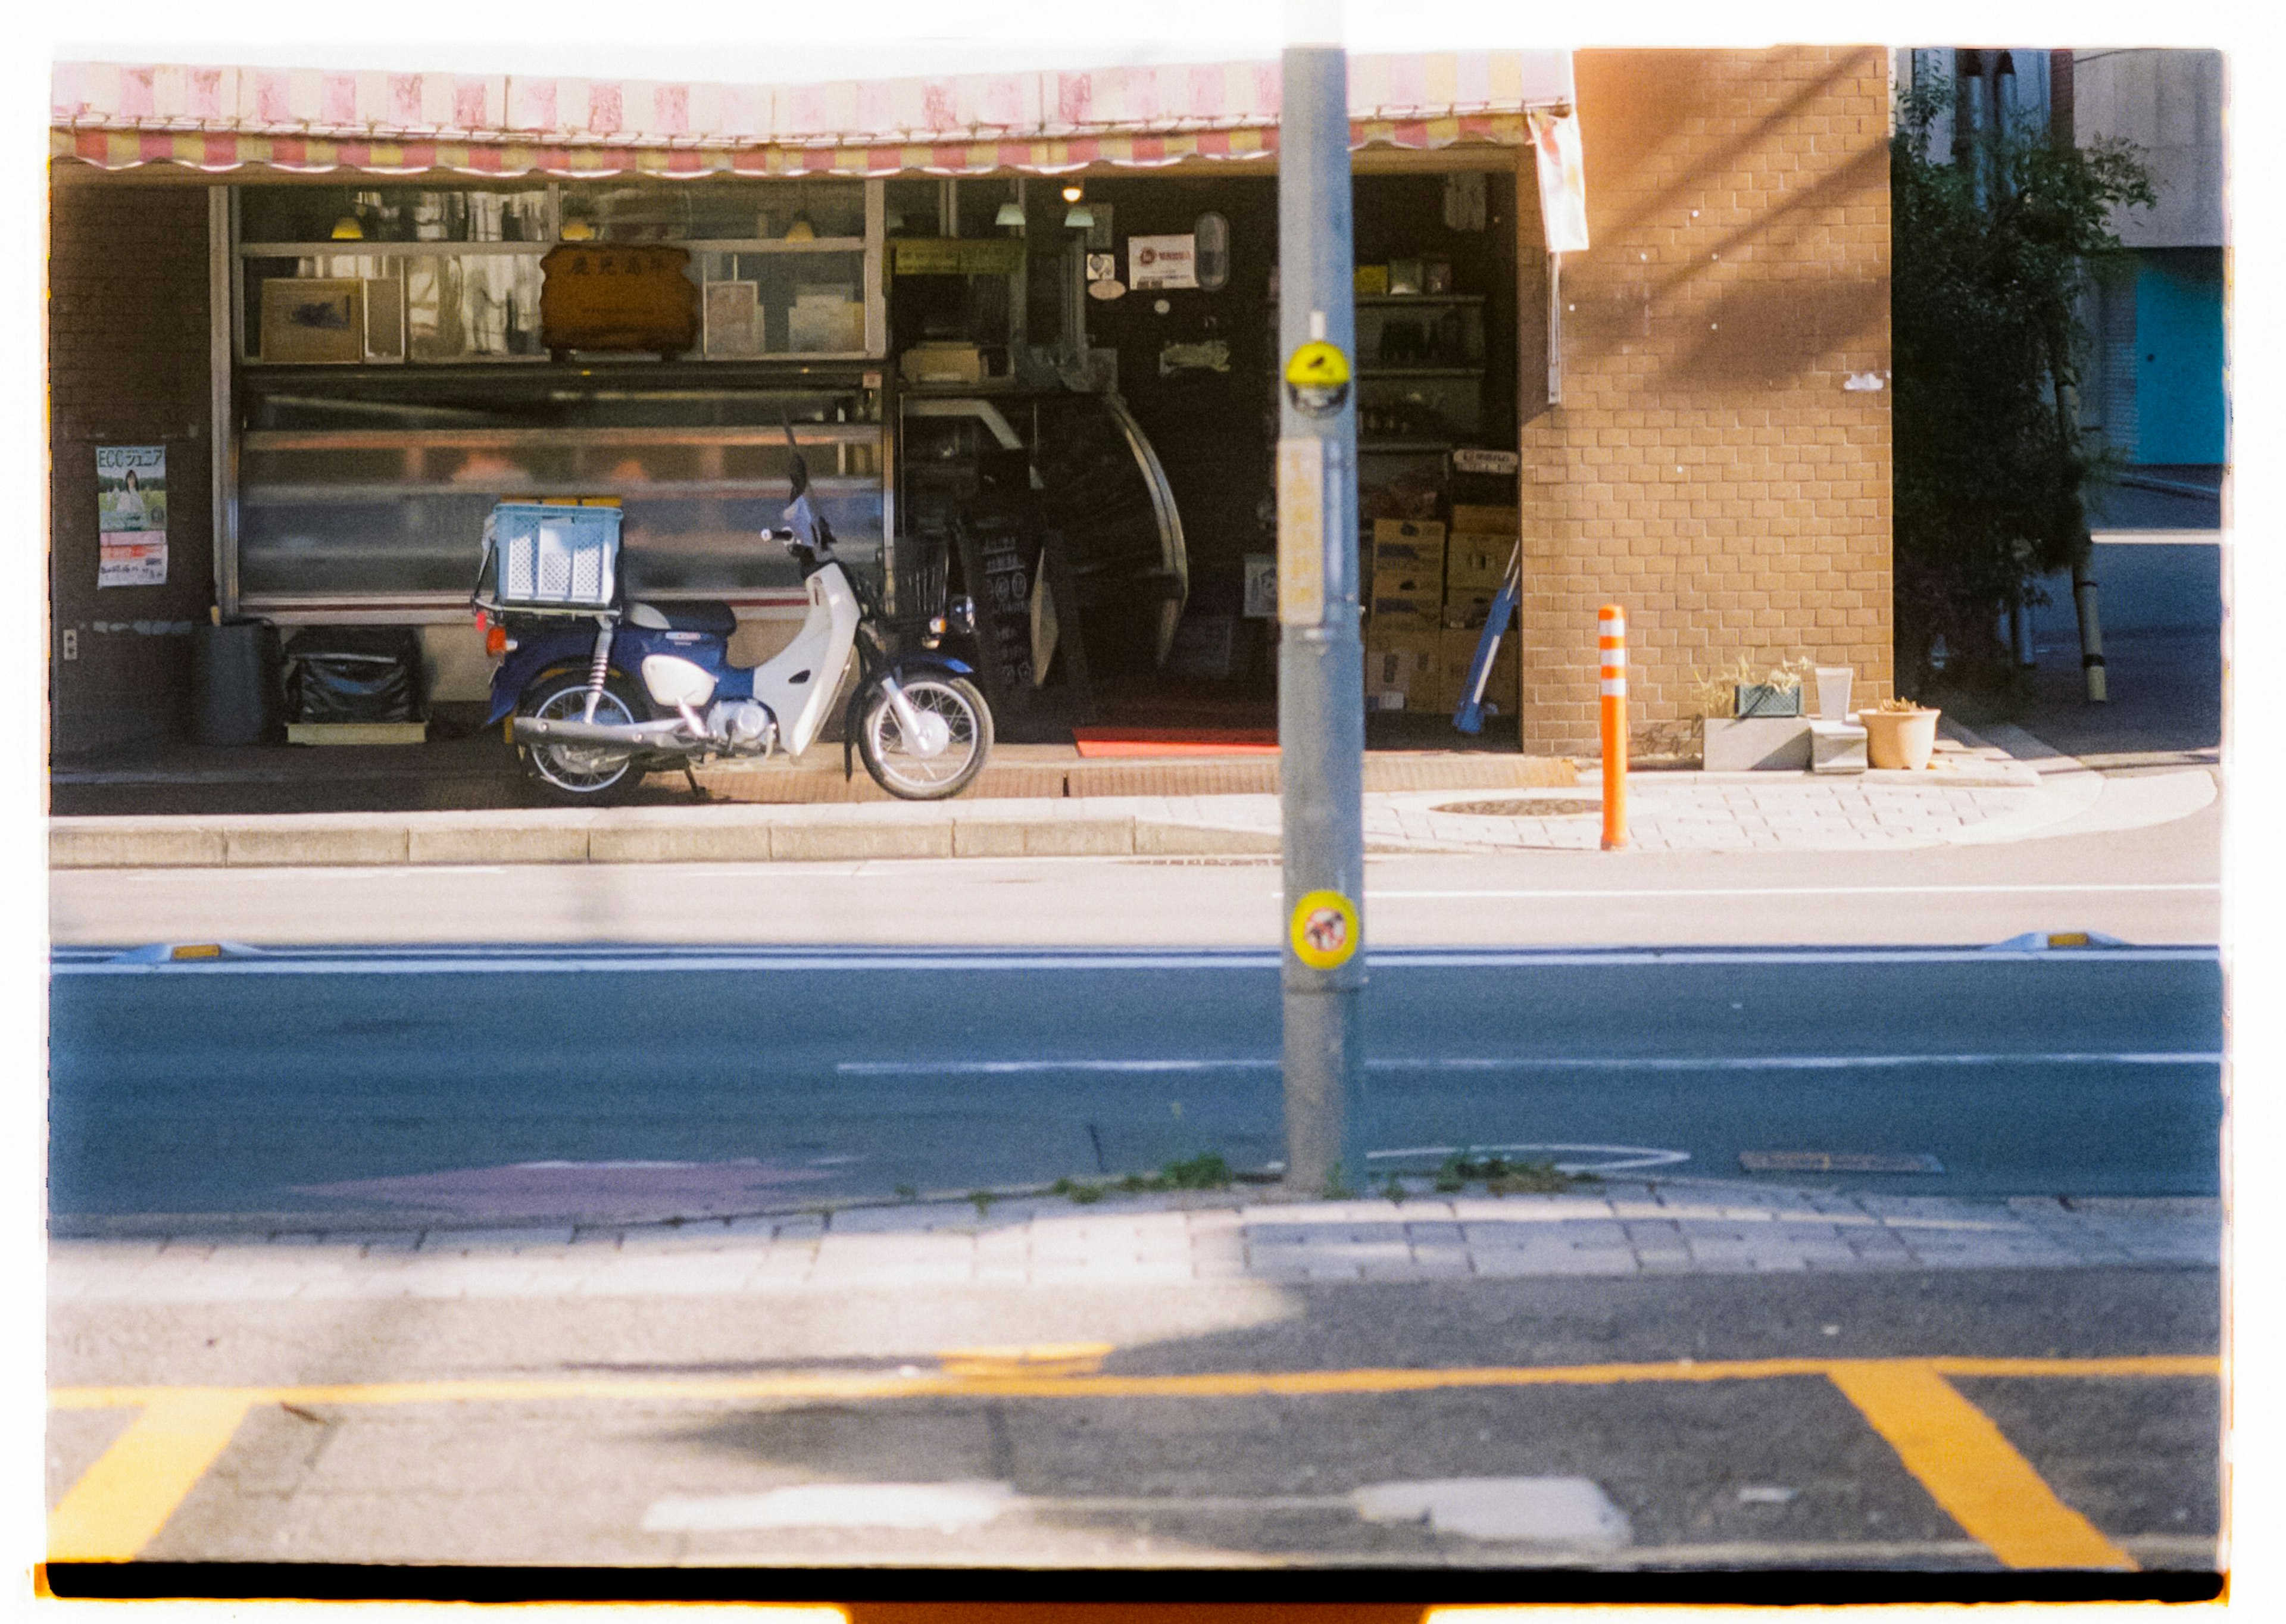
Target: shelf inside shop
<point>1402,448</point>
<point>1421,372</point>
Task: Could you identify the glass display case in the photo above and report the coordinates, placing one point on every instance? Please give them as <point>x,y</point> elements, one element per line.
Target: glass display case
<point>347,493</point>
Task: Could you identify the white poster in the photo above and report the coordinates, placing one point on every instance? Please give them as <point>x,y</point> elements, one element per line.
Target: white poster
<point>131,515</point>
<point>1162,262</point>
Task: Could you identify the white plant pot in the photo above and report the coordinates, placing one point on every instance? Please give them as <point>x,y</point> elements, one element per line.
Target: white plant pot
<point>1834,692</point>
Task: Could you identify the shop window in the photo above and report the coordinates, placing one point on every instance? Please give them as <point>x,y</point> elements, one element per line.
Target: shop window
<point>392,214</point>
<point>330,275</point>
<point>761,302</point>
<point>472,307</point>
<point>914,207</point>
<point>345,308</point>
<point>719,211</point>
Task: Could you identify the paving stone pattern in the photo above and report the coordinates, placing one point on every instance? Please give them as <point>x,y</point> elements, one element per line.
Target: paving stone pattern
<point>1619,1228</point>
<point>1686,812</point>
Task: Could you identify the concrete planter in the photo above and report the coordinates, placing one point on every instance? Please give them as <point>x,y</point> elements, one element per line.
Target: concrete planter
<point>1756,744</point>
<point>1899,738</point>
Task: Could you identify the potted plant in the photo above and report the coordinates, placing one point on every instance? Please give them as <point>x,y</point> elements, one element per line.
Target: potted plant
<point>1899,734</point>
<point>1751,715</point>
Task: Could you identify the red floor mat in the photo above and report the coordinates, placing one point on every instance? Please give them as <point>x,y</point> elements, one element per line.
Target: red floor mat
<point>1101,742</point>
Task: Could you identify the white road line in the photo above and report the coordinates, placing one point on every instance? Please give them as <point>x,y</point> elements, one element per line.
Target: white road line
<point>526,960</point>
<point>1664,893</point>
<point>1533,1062</point>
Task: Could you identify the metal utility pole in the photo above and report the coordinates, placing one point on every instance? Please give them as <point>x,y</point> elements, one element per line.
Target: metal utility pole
<point>1320,661</point>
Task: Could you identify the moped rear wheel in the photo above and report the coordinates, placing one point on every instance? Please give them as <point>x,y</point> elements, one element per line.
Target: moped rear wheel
<point>584,774</point>
<point>898,764</point>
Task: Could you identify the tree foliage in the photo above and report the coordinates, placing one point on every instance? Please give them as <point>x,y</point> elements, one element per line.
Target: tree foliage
<point>1991,256</point>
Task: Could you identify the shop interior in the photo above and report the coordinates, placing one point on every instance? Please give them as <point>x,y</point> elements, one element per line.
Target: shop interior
<point>1149,415</point>
<point>1054,395</point>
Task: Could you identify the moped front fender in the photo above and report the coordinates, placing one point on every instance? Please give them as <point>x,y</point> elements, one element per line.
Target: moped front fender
<point>900,671</point>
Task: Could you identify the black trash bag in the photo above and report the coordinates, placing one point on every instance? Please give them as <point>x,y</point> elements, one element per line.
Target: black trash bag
<point>355,674</point>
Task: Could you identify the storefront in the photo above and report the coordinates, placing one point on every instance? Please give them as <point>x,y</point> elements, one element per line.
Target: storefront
<point>927,283</point>
<point>386,367</point>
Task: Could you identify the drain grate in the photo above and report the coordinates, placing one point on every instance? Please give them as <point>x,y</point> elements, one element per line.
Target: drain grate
<point>1545,807</point>
<point>1834,1161</point>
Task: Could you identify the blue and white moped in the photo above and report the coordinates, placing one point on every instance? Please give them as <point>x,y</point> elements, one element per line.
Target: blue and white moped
<point>601,697</point>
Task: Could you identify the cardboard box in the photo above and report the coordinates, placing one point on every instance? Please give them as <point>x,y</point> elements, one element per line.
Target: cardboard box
<point>1456,649</point>
<point>1400,670</point>
<point>1488,521</point>
<point>1398,616</point>
<point>1412,541</point>
<point>1424,585</point>
<point>1476,562</point>
<point>1467,609</point>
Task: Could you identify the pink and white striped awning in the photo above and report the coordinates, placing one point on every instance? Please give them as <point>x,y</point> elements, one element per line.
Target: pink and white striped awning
<point>317,122</point>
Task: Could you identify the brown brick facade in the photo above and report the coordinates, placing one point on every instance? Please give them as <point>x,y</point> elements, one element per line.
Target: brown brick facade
<point>127,327</point>
<point>1707,468</point>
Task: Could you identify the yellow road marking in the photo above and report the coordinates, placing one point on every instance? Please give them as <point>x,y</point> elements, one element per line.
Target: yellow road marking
<point>1213,1385</point>
<point>1971,1469</point>
<point>1050,1359</point>
<point>126,1496</point>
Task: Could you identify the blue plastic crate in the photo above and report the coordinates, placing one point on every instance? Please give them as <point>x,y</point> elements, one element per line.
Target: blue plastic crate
<point>553,556</point>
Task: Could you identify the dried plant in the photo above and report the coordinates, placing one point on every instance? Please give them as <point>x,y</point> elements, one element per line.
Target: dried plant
<point>1899,705</point>
<point>1715,693</point>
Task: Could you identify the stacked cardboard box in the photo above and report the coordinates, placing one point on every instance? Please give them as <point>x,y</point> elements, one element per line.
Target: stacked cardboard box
<point>1477,555</point>
<point>1475,562</point>
<point>1430,595</point>
<point>1405,611</point>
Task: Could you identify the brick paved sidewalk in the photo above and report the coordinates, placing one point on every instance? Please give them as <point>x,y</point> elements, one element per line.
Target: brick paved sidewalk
<point>1614,1229</point>
<point>1693,812</point>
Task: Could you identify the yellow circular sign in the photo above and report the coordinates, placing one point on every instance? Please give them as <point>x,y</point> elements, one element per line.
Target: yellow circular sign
<point>1318,365</point>
<point>1324,933</point>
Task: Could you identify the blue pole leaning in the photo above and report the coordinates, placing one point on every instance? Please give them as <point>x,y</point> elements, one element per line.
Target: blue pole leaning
<point>1320,661</point>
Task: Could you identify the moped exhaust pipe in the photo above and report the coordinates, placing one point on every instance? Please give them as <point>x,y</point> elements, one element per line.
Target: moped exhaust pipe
<point>668,735</point>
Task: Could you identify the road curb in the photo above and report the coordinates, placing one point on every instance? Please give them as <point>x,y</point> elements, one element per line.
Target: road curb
<point>811,833</point>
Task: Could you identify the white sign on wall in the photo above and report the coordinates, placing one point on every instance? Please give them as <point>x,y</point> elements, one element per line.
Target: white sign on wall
<point>1162,261</point>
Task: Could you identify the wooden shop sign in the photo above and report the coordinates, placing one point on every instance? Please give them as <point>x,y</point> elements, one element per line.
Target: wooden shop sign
<point>596,296</point>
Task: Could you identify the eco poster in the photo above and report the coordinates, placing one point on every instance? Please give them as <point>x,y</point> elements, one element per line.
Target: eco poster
<point>130,507</point>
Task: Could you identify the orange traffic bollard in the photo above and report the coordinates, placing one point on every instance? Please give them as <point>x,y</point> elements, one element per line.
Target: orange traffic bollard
<point>1611,640</point>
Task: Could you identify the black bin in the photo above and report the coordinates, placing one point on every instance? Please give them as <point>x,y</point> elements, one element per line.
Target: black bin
<point>355,674</point>
<point>234,683</point>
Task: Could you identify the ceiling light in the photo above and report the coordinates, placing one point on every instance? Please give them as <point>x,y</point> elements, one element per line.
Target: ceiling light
<point>801,230</point>
<point>1012,213</point>
<point>1079,216</point>
<point>1072,193</point>
<point>347,229</point>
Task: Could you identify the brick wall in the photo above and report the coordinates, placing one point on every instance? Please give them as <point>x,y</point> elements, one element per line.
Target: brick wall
<point>1707,468</point>
<point>127,366</point>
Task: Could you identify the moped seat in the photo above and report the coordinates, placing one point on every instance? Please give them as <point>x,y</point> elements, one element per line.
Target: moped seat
<point>716,618</point>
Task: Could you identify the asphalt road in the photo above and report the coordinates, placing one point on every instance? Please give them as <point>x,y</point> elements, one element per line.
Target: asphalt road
<point>1176,1453</point>
<point>599,1084</point>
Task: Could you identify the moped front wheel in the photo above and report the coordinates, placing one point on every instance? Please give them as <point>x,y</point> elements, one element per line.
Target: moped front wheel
<point>928,768</point>
<point>583,775</point>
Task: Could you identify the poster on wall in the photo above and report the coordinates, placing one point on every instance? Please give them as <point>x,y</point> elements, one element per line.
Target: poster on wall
<point>131,514</point>
<point>1162,262</point>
